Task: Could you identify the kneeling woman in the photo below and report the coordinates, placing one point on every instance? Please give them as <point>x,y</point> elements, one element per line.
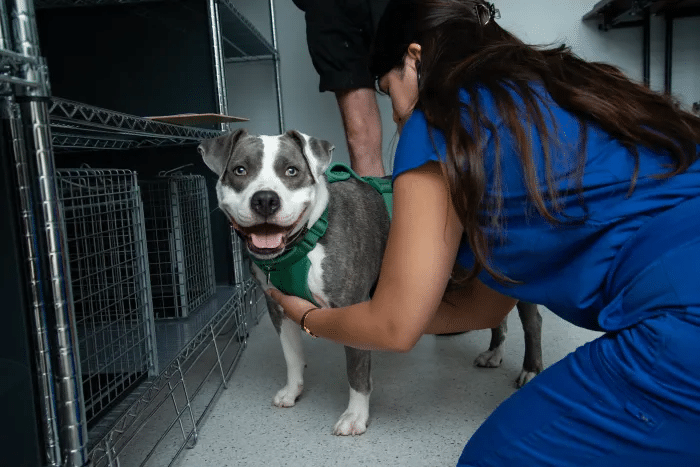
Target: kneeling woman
<point>556,181</point>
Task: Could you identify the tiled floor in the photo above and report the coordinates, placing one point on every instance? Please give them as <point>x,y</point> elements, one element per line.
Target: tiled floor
<point>425,404</point>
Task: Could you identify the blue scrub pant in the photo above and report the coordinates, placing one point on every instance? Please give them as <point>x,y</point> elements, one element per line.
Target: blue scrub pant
<point>629,398</point>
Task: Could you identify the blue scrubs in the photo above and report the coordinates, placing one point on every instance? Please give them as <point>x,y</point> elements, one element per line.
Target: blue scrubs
<point>628,266</point>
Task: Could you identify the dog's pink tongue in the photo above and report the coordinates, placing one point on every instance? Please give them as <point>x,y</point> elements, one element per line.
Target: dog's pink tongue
<point>267,240</point>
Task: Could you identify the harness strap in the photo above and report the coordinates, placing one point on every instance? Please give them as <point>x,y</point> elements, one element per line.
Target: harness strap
<point>340,172</point>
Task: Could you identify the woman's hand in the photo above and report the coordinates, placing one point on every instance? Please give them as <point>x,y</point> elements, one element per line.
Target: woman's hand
<point>294,307</point>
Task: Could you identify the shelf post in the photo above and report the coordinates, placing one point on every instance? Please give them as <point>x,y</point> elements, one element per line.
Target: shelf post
<point>218,55</point>
<point>53,274</point>
<point>668,56</point>
<point>276,61</point>
<point>10,110</point>
<point>646,47</point>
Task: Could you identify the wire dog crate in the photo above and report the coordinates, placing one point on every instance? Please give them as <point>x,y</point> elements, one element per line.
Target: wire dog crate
<point>243,274</point>
<point>106,248</point>
<point>180,250</point>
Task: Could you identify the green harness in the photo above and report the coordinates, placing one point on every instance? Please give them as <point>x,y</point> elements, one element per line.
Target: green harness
<point>289,272</point>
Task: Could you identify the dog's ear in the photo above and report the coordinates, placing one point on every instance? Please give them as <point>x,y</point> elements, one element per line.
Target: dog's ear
<point>317,152</point>
<point>217,151</point>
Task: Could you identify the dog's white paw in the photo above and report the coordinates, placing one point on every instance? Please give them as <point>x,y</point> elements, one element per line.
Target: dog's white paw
<point>351,423</point>
<point>288,395</point>
<point>490,358</point>
<point>524,378</point>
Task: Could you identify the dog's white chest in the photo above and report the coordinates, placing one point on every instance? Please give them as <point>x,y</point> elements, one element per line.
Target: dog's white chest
<point>315,276</point>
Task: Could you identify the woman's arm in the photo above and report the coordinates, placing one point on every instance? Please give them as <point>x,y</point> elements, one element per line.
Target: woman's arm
<point>474,306</point>
<point>421,250</point>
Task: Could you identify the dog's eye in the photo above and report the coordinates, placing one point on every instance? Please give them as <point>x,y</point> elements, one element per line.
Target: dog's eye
<point>240,170</point>
<point>292,171</point>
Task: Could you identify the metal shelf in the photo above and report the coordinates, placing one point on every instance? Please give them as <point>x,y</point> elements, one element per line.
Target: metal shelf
<point>236,39</point>
<point>179,338</point>
<point>80,126</point>
<point>197,356</point>
<point>612,14</point>
<point>630,13</point>
<point>242,41</point>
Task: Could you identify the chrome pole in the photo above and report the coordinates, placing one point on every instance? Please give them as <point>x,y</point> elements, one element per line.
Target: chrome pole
<point>276,61</point>
<point>43,368</point>
<point>69,393</point>
<point>47,402</point>
<point>218,52</point>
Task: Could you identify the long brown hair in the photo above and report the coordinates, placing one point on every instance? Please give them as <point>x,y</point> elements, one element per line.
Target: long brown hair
<point>463,48</point>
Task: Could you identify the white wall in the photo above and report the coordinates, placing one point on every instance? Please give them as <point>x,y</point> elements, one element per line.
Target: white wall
<point>251,85</point>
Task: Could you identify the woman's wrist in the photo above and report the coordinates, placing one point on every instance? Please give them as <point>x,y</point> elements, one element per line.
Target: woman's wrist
<point>304,324</point>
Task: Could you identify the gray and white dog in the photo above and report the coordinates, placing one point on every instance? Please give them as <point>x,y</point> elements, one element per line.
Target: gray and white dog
<point>271,188</point>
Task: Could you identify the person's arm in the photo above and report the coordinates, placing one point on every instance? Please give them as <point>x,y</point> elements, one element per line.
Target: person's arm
<point>475,306</point>
<point>363,130</point>
<point>421,249</point>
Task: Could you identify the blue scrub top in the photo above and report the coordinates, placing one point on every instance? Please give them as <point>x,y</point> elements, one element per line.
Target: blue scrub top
<point>569,267</point>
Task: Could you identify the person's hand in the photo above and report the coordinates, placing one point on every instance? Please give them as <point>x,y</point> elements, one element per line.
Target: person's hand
<point>294,307</point>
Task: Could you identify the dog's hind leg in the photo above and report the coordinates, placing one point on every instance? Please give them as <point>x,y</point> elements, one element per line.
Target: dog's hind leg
<point>290,337</point>
<point>493,357</point>
<point>354,420</point>
<point>532,326</point>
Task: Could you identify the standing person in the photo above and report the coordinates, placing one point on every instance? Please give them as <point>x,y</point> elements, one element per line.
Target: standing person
<point>557,181</point>
<point>339,34</point>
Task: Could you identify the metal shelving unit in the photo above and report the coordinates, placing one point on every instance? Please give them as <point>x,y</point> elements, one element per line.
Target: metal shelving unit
<point>215,335</point>
<point>242,42</point>
<point>196,355</point>
<point>25,90</point>
<point>80,126</point>
<point>234,39</point>
<point>611,14</point>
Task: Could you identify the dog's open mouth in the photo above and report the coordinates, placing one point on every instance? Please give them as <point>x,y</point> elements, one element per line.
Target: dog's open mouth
<point>266,238</point>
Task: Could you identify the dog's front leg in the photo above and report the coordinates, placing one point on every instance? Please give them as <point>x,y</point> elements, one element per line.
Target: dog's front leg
<point>290,337</point>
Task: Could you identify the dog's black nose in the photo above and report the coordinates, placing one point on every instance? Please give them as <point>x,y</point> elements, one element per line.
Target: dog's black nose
<point>265,203</point>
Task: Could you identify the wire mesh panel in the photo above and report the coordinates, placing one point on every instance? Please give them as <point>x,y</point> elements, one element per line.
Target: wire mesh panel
<point>243,276</point>
<point>240,271</point>
<point>106,242</point>
<point>179,244</point>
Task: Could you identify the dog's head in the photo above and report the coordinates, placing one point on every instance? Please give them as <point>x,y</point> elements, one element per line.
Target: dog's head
<point>270,187</point>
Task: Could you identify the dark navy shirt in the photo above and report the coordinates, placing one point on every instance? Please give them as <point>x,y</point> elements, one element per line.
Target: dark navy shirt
<point>563,266</point>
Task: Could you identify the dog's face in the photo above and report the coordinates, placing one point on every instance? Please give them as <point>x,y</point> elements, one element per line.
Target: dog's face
<point>270,187</point>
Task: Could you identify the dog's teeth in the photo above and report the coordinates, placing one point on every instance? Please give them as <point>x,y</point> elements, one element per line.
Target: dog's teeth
<point>267,240</point>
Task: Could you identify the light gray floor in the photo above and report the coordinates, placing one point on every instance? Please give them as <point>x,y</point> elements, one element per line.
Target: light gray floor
<point>425,404</point>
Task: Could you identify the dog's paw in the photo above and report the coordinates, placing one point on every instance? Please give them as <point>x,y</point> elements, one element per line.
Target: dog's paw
<point>351,424</point>
<point>288,395</point>
<point>490,358</point>
<point>524,378</point>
